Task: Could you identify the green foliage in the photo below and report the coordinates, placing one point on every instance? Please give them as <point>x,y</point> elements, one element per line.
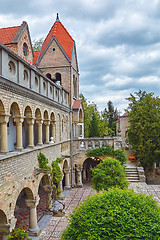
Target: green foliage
<point>108,151</point>
<point>115,214</point>
<point>43,161</point>
<point>111,115</point>
<point>144,130</point>
<point>108,174</point>
<point>18,234</point>
<point>56,172</point>
<point>37,44</point>
<point>93,126</point>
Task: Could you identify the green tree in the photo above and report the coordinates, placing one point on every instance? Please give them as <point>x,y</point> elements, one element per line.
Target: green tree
<point>37,44</point>
<point>108,174</point>
<point>115,214</point>
<point>111,115</point>
<point>144,130</point>
<point>93,126</point>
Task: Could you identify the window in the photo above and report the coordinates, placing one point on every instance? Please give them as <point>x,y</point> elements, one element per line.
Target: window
<point>48,75</point>
<point>25,49</point>
<point>58,78</point>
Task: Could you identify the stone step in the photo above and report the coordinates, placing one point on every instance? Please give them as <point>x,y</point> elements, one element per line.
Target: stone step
<point>131,169</point>
<point>133,178</point>
<point>132,175</point>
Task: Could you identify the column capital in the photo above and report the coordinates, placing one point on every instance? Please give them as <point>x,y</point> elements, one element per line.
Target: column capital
<point>39,121</point>
<point>4,118</point>
<point>46,122</point>
<point>52,122</point>
<point>66,170</point>
<point>18,119</point>
<point>47,188</point>
<point>30,121</point>
<point>32,203</point>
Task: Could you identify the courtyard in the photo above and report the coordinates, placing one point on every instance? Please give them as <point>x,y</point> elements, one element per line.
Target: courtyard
<point>52,227</point>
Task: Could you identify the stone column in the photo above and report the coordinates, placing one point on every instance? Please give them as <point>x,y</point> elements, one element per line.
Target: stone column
<point>33,227</point>
<point>61,196</point>
<point>67,180</point>
<point>76,129</point>
<point>39,123</point>
<point>19,143</point>
<point>53,130</point>
<point>84,174</point>
<point>48,190</point>
<point>46,123</point>
<point>79,177</point>
<point>30,122</point>
<point>4,143</point>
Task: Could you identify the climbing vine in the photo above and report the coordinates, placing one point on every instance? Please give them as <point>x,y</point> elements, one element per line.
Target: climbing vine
<point>54,169</point>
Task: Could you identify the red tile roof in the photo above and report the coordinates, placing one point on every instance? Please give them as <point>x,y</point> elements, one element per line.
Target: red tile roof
<point>77,104</point>
<point>7,34</point>
<point>62,36</point>
<point>35,57</point>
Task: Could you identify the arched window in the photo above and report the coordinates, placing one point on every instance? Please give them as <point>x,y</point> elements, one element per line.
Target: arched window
<point>48,75</point>
<point>58,78</point>
<point>74,86</point>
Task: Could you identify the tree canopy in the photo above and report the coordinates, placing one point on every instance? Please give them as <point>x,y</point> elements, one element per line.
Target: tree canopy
<point>144,130</point>
<point>99,124</point>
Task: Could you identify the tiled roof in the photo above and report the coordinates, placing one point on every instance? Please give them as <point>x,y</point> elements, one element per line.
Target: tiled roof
<point>7,34</point>
<point>77,104</point>
<point>62,36</point>
<point>35,57</point>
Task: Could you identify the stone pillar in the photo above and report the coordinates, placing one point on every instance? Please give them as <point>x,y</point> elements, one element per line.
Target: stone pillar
<point>67,180</point>
<point>46,123</point>
<point>84,174</point>
<point>4,143</point>
<point>74,179</point>
<point>33,227</point>
<point>76,129</point>
<point>39,123</point>
<point>19,143</point>
<point>53,130</point>
<point>30,122</point>
<point>61,196</point>
<point>79,177</point>
<point>48,190</point>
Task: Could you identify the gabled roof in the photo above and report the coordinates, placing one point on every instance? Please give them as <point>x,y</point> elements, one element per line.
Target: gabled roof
<point>7,34</point>
<point>36,53</point>
<point>77,104</point>
<point>59,32</point>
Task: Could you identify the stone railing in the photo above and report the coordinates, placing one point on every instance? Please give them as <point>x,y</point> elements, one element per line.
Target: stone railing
<point>96,142</point>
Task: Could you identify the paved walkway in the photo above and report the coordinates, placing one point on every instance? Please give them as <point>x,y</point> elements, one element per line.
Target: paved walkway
<point>56,225</point>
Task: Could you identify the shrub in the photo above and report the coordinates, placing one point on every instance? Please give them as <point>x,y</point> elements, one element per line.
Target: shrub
<point>43,161</point>
<point>108,151</point>
<point>109,173</point>
<point>18,234</point>
<point>115,214</point>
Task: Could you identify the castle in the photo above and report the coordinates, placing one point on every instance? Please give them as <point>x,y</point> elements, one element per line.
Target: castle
<point>40,111</point>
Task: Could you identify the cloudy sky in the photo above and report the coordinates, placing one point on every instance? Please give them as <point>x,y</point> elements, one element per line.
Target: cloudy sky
<point>118,42</point>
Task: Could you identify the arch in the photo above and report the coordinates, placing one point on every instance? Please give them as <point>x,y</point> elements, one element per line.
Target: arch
<point>45,115</point>
<point>14,109</point>
<point>58,78</point>
<point>2,110</point>
<point>65,165</point>
<point>38,114</point>
<point>88,164</point>
<point>52,116</point>
<point>20,207</point>
<point>3,217</point>
<point>28,112</point>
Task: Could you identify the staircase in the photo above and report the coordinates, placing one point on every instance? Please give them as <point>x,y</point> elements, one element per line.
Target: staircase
<point>132,174</point>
